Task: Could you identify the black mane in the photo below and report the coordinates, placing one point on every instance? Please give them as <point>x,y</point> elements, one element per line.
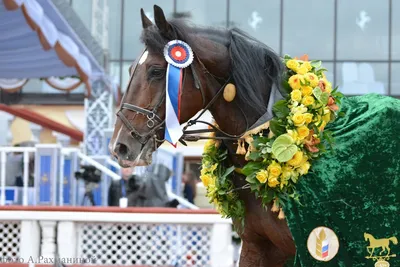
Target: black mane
<point>254,66</point>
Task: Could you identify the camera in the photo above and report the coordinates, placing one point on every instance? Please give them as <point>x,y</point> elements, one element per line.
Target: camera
<point>89,174</point>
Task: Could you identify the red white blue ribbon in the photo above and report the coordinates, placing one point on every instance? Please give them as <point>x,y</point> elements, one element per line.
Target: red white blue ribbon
<point>179,55</point>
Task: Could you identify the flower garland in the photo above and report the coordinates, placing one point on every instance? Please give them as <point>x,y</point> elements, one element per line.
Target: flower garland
<point>279,158</point>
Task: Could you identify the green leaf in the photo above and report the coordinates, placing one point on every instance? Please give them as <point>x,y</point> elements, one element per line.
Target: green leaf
<point>227,172</point>
<point>266,150</point>
<point>316,63</point>
<point>276,127</point>
<point>280,109</point>
<point>284,148</point>
<point>254,156</point>
<point>286,86</point>
<point>254,187</point>
<point>252,167</point>
<point>221,192</point>
<point>317,92</point>
<point>287,57</point>
<point>251,178</point>
<point>324,98</point>
<point>258,140</point>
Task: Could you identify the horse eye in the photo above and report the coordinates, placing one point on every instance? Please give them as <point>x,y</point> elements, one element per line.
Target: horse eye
<point>156,73</point>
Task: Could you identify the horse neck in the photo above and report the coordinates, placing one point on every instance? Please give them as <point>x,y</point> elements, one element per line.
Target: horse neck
<point>370,237</point>
<point>231,120</point>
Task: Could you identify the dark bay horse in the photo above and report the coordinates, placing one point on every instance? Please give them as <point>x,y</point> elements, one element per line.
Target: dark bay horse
<point>220,56</point>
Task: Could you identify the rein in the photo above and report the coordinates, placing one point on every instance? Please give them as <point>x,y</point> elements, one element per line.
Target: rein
<point>156,124</point>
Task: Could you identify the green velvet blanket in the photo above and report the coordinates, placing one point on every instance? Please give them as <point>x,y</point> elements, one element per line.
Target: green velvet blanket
<point>354,189</point>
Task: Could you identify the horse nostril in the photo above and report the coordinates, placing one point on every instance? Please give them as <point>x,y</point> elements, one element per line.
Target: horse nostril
<point>122,150</point>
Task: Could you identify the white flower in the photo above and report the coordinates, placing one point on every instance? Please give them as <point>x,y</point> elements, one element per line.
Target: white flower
<point>299,109</point>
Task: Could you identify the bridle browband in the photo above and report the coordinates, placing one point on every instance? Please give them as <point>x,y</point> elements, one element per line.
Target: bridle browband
<point>188,135</point>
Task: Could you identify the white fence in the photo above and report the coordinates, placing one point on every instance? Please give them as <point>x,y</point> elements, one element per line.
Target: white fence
<point>112,236</point>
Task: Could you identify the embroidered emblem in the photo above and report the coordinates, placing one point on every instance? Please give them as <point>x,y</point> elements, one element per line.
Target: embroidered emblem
<point>323,244</point>
<point>382,254</point>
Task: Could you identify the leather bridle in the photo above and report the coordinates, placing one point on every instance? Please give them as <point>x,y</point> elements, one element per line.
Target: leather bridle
<point>156,124</point>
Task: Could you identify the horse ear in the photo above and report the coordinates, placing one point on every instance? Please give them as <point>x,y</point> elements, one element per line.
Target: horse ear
<point>161,22</point>
<point>146,22</point>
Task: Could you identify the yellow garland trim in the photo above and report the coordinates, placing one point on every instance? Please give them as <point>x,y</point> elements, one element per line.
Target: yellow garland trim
<point>276,162</point>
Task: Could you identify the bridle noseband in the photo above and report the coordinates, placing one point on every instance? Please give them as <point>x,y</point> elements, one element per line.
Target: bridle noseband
<point>156,124</point>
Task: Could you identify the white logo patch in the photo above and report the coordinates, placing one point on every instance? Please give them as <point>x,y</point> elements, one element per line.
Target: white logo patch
<point>144,57</point>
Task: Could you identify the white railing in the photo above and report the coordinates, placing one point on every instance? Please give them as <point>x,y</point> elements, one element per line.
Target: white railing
<point>113,236</point>
<point>28,193</point>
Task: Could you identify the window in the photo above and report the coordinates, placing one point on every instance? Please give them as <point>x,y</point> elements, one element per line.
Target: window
<point>396,30</point>
<point>260,19</point>
<point>115,72</point>
<point>83,9</point>
<point>395,85</point>
<point>114,29</point>
<point>308,28</point>
<point>330,72</point>
<point>133,24</point>
<point>204,12</point>
<point>362,30</point>
<point>362,78</point>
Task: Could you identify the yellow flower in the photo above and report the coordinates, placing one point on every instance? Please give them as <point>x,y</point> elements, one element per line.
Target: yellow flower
<point>273,181</point>
<point>303,131</point>
<point>297,158</point>
<point>287,172</point>
<point>312,79</point>
<point>303,169</point>
<point>328,87</point>
<point>306,90</point>
<point>213,167</point>
<point>308,100</point>
<point>274,169</point>
<point>294,135</point>
<point>298,109</point>
<point>302,69</point>
<point>299,119</point>
<point>327,117</point>
<point>294,81</point>
<point>208,145</point>
<point>307,65</point>
<point>262,176</point>
<point>308,117</point>
<point>292,64</point>
<point>322,127</point>
<point>206,179</point>
<point>296,95</point>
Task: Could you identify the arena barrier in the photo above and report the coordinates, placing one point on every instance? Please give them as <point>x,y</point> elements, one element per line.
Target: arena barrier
<point>108,236</point>
<point>54,176</point>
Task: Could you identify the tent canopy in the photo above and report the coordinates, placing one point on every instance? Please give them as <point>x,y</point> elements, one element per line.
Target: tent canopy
<point>36,41</point>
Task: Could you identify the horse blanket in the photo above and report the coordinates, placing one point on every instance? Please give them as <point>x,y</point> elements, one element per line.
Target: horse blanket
<point>354,189</point>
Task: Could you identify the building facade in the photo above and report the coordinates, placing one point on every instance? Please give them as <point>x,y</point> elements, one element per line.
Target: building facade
<point>358,41</point>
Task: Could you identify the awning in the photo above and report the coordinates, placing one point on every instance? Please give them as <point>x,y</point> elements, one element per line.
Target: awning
<point>37,42</point>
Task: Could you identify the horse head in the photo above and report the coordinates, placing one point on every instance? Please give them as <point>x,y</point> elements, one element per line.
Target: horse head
<point>220,57</point>
<point>367,236</point>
